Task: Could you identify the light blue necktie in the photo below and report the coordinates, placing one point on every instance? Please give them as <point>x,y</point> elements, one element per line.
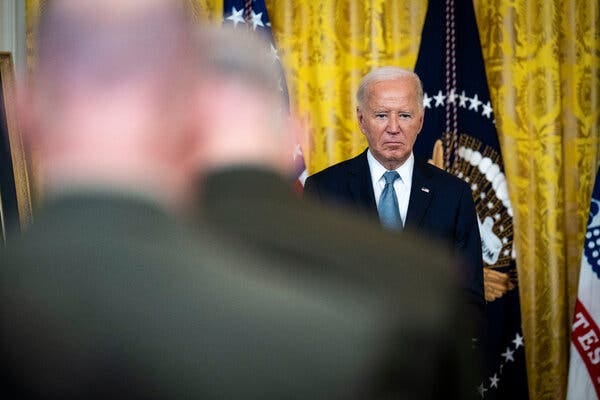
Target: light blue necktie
<point>389,213</point>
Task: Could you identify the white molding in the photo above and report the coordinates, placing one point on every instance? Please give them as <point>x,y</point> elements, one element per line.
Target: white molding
<point>13,30</point>
<point>7,25</point>
<point>20,54</point>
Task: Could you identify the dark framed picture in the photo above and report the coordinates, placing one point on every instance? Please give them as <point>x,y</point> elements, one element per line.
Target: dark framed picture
<point>15,193</point>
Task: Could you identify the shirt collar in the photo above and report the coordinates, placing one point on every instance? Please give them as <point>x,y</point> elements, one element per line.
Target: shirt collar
<point>405,170</point>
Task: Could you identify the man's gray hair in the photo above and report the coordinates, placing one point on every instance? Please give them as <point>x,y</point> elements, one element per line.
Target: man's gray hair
<point>241,56</point>
<point>385,74</point>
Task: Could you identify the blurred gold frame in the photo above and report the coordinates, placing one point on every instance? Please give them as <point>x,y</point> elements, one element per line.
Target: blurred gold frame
<point>14,154</point>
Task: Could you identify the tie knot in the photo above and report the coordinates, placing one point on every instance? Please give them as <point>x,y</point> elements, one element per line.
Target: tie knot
<point>390,176</point>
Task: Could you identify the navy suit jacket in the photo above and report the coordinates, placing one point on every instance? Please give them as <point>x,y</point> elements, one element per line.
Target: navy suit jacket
<point>440,205</point>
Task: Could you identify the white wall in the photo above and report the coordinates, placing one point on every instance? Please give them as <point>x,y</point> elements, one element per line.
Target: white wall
<point>13,31</point>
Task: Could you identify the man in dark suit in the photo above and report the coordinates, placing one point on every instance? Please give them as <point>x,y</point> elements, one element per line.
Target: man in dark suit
<point>425,198</point>
<point>107,295</point>
<point>245,197</point>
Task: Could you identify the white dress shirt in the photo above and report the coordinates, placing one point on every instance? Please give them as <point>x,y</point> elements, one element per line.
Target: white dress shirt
<point>401,186</point>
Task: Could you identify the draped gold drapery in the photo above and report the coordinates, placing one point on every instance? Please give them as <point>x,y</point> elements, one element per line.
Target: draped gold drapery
<point>543,64</point>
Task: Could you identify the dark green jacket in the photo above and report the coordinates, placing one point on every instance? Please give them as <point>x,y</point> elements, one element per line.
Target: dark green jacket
<point>105,296</point>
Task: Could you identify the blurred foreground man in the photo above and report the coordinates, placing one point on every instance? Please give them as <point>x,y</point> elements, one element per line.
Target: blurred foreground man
<point>246,131</point>
<point>106,296</point>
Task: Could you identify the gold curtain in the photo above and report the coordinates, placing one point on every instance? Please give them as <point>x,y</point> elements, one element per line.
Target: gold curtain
<point>543,65</point>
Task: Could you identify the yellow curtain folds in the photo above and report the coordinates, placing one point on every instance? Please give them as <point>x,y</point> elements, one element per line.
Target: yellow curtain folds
<point>543,64</point>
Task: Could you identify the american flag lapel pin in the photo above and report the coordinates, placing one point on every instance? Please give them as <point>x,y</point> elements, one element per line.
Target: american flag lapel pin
<point>424,189</point>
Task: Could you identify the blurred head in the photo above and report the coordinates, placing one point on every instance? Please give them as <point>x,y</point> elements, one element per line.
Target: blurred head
<point>240,110</point>
<point>107,103</point>
<point>390,113</point>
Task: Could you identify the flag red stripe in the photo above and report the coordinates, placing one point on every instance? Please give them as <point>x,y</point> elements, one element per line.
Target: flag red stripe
<point>586,339</point>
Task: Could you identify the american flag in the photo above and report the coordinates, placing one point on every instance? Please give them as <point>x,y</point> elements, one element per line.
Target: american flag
<point>584,366</point>
<point>252,14</point>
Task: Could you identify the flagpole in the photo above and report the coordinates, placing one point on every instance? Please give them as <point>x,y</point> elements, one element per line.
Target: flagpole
<point>248,12</point>
<point>451,140</point>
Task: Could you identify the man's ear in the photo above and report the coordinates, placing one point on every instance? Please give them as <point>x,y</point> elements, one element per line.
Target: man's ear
<point>360,117</point>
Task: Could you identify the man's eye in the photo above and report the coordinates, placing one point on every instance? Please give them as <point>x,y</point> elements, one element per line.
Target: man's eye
<point>405,116</point>
<point>380,116</point>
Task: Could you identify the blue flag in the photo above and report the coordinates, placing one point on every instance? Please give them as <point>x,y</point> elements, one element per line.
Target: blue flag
<point>459,135</point>
<point>253,15</point>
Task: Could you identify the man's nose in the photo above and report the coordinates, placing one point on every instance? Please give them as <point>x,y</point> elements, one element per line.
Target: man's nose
<point>393,124</point>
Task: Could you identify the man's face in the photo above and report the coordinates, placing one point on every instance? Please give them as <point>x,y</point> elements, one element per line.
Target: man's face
<point>391,119</point>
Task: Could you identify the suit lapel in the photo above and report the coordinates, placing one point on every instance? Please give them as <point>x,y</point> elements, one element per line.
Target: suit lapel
<point>360,184</point>
<point>420,196</point>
